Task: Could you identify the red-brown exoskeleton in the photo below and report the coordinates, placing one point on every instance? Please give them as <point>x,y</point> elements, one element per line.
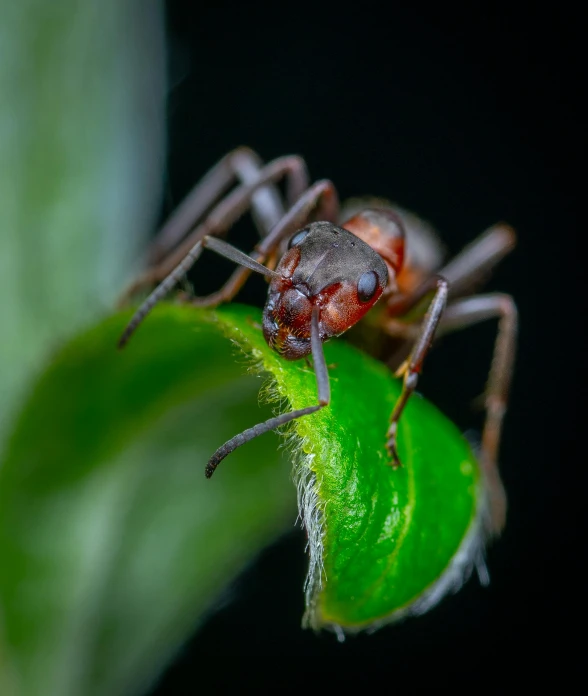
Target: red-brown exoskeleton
<point>331,272</point>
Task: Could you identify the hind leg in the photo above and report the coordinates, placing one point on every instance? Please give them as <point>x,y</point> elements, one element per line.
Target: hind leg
<point>242,165</point>
<point>464,313</point>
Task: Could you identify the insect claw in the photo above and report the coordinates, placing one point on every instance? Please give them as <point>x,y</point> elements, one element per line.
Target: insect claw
<point>395,463</point>
<point>213,462</point>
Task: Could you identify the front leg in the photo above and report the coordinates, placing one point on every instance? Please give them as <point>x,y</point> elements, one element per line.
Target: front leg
<point>461,314</point>
<point>412,366</point>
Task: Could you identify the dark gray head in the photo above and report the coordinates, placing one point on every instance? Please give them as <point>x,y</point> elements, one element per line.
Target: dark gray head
<point>326,267</point>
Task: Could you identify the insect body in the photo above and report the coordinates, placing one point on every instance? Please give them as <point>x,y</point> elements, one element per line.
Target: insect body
<point>332,270</point>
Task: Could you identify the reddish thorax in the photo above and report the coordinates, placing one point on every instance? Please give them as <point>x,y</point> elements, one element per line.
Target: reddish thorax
<point>383,231</point>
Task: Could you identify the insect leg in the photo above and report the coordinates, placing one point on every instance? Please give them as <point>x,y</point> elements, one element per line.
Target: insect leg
<point>222,248</point>
<point>220,219</point>
<point>324,397</point>
<point>463,272</point>
<point>469,267</point>
<point>466,312</point>
<point>245,165</point>
<point>413,364</point>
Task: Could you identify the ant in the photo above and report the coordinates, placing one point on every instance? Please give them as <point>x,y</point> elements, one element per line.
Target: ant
<point>326,271</point>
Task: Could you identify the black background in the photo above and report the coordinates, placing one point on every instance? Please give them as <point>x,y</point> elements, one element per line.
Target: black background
<point>467,119</point>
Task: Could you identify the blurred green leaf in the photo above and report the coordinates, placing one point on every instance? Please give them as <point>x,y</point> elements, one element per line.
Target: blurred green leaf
<point>112,541</point>
<point>81,147</point>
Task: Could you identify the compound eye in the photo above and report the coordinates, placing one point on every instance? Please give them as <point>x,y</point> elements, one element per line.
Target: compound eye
<point>298,238</point>
<point>367,286</point>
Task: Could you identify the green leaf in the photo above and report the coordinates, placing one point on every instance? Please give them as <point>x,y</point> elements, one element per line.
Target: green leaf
<point>113,543</point>
<point>384,543</point>
<point>81,143</point>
